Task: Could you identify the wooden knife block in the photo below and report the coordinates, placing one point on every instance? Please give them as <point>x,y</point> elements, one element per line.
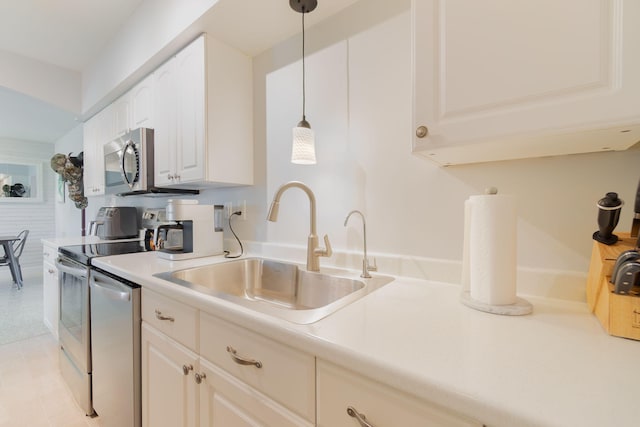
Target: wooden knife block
<point>619,314</point>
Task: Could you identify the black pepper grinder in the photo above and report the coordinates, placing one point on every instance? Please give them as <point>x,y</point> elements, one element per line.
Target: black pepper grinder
<point>609,209</point>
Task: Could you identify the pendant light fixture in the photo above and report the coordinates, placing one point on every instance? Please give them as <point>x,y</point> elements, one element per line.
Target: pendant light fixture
<point>303,150</point>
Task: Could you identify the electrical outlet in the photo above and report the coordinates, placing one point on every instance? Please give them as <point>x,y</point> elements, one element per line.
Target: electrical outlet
<point>228,210</point>
<point>242,206</point>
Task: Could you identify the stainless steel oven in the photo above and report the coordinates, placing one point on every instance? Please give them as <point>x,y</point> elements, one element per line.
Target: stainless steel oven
<point>74,329</point>
<point>75,323</point>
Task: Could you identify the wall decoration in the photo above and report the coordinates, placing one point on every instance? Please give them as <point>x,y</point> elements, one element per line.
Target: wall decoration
<point>70,170</point>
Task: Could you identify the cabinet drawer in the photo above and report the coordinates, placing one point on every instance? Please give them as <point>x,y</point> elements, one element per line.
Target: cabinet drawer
<point>177,320</point>
<point>383,406</point>
<point>227,401</point>
<point>285,375</point>
<point>49,254</point>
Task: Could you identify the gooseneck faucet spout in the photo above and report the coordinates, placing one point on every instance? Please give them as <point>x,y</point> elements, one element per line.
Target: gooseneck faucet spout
<point>314,252</point>
<point>366,268</point>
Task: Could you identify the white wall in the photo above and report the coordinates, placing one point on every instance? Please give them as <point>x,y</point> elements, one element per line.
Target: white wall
<point>55,85</point>
<point>37,217</point>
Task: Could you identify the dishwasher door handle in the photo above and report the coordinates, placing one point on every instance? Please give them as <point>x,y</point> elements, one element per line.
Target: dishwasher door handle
<point>65,267</point>
<point>111,289</point>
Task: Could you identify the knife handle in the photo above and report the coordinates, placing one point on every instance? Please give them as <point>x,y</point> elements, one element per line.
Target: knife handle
<point>637,204</point>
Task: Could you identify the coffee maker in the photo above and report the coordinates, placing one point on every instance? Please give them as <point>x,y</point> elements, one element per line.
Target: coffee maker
<point>153,220</point>
<point>201,236</point>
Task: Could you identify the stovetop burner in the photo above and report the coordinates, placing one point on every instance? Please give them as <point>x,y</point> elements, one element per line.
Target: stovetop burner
<point>84,253</point>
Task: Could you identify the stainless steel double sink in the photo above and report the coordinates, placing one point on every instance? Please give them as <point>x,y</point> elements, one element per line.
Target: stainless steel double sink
<point>277,288</point>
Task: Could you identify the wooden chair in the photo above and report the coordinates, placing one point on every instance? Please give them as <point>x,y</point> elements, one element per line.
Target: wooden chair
<point>18,247</point>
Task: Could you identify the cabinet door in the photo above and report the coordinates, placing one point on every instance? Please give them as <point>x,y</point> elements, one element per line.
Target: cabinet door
<point>50,295</point>
<point>191,98</point>
<point>120,117</point>
<point>228,402</point>
<point>94,138</point>
<point>164,135</point>
<point>499,79</point>
<point>141,101</point>
<point>382,406</point>
<point>169,391</point>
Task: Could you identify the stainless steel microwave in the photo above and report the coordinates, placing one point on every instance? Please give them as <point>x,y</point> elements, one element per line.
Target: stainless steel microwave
<point>128,162</point>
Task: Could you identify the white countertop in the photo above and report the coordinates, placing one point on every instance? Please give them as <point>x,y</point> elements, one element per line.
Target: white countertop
<point>80,240</point>
<point>555,367</point>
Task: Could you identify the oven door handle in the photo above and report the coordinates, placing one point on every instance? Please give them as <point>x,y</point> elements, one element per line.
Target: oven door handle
<point>65,267</point>
<point>110,288</point>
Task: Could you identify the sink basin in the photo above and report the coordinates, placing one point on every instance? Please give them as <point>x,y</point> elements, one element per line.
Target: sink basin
<point>277,288</point>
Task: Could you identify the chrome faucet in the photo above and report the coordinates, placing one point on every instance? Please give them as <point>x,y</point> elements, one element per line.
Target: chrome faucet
<point>314,252</point>
<point>366,268</point>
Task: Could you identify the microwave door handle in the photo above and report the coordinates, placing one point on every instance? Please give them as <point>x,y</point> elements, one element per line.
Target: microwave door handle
<point>130,145</point>
<point>64,267</point>
<point>111,289</point>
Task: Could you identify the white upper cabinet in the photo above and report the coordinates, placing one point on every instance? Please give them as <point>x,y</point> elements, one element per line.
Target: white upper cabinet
<point>120,116</point>
<point>498,79</point>
<point>141,104</point>
<point>191,102</point>
<point>96,132</point>
<point>203,117</point>
<point>164,135</point>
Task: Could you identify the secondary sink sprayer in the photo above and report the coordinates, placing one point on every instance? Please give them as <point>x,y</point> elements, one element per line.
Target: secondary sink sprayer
<point>314,252</point>
<point>366,268</point>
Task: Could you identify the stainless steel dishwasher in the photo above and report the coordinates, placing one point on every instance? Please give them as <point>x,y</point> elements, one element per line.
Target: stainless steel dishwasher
<point>115,348</point>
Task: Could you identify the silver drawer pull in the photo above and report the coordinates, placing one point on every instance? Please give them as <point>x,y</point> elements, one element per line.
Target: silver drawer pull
<point>161,316</point>
<point>358,416</point>
<point>186,369</point>
<point>242,361</point>
<point>200,377</point>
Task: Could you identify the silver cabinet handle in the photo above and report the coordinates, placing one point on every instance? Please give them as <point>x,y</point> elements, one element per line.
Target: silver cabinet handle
<point>358,416</point>
<point>50,271</point>
<point>161,316</point>
<point>241,360</point>
<point>186,369</point>
<point>200,377</point>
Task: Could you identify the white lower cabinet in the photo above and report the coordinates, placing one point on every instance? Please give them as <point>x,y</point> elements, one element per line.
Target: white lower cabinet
<point>50,288</point>
<point>181,388</point>
<point>201,371</point>
<point>343,396</point>
<point>226,401</point>
<point>169,393</point>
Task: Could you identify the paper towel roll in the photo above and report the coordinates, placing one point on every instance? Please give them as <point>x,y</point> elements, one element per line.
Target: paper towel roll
<point>490,249</point>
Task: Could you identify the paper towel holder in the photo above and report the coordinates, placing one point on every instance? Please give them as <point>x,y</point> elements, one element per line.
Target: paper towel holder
<point>518,307</point>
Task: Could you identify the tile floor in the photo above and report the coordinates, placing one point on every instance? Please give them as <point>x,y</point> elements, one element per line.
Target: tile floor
<point>32,392</point>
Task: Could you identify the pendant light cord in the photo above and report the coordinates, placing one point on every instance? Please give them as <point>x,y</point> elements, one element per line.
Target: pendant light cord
<point>303,69</point>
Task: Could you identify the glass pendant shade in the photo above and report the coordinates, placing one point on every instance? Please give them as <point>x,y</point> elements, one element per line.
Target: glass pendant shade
<point>303,150</point>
